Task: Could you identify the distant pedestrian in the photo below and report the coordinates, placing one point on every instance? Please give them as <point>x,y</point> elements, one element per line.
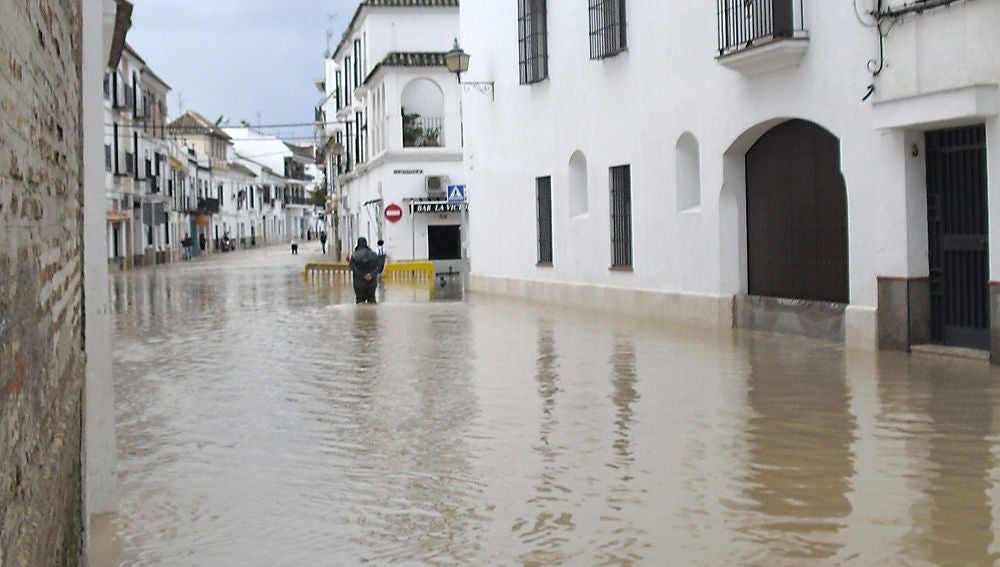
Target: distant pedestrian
<point>295,246</point>
<point>322,240</point>
<point>188,245</point>
<point>365,266</point>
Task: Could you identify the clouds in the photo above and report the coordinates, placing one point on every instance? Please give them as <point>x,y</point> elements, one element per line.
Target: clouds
<point>253,60</point>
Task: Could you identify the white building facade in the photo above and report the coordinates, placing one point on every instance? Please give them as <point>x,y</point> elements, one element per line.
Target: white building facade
<point>391,120</point>
<point>761,164</point>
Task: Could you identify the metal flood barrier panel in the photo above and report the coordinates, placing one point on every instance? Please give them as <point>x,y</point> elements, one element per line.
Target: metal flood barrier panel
<point>396,272</point>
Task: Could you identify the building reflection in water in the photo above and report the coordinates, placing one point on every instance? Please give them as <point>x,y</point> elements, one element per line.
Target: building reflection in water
<point>623,363</point>
<point>799,440</point>
<point>265,420</point>
<point>419,407</point>
<point>942,412</point>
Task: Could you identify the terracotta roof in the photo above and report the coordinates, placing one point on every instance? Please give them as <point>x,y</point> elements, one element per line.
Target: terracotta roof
<point>411,3</point>
<point>193,123</point>
<point>240,168</point>
<point>306,152</point>
<point>391,4</point>
<point>411,59</point>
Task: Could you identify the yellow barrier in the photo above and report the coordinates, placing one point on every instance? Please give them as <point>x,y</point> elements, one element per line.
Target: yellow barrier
<point>399,272</point>
<point>335,270</point>
<point>395,272</point>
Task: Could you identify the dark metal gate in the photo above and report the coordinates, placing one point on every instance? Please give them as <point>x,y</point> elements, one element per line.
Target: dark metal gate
<point>797,215</point>
<point>957,229</point>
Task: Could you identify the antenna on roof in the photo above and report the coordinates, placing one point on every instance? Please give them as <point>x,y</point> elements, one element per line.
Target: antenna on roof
<point>329,34</point>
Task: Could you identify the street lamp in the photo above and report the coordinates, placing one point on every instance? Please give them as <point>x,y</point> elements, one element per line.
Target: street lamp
<point>457,61</point>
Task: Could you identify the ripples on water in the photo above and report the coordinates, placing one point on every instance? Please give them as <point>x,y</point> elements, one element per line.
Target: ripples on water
<point>264,421</point>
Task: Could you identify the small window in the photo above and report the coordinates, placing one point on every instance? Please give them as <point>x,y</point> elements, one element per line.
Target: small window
<point>533,51</point>
<point>621,216</point>
<point>107,157</point>
<point>543,200</point>
<point>607,28</point>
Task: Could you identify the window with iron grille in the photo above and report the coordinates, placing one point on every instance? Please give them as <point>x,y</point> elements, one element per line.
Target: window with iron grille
<point>543,199</point>
<point>607,28</point>
<point>621,216</point>
<point>339,91</point>
<point>357,63</point>
<point>532,41</point>
<point>361,140</point>
<point>348,150</point>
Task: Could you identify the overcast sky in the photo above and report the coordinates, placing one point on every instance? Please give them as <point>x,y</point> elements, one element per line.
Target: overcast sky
<point>253,60</point>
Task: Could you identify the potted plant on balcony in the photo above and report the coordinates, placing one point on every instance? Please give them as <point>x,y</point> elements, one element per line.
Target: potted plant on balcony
<point>432,137</point>
<point>412,130</point>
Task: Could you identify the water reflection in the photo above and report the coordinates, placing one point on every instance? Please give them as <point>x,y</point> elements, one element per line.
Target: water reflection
<point>800,437</point>
<point>945,414</point>
<point>265,420</point>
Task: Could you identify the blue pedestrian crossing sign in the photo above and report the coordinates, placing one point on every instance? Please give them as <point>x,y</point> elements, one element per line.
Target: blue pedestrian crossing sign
<point>456,193</point>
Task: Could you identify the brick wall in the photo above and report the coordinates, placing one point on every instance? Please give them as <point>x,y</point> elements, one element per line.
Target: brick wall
<point>41,357</point>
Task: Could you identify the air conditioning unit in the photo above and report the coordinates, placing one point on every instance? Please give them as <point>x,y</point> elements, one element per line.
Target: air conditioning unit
<point>437,187</point>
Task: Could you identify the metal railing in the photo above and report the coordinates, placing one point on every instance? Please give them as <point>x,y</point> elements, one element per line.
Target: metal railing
<point>424,132</point>
<point>744,23</point>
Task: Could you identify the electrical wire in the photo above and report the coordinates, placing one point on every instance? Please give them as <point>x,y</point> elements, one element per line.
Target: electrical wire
<point>858,13</point>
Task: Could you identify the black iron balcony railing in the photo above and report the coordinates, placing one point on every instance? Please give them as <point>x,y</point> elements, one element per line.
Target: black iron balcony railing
<point>745,23</point>
<point>422,131</point>
<point>208,206</point>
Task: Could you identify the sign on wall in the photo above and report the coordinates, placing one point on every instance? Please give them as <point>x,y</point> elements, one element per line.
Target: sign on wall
<point>439,207</point>
<point>456,193</point>
<point>393,212</point>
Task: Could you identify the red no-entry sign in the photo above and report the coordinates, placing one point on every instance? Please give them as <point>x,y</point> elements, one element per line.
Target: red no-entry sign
<point>393,212</point>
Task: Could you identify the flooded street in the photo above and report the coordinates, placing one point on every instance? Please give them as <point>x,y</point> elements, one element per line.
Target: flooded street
<point>263,420</point>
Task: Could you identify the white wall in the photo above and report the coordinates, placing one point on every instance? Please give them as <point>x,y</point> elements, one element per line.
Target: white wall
<point>633,109</point>
<point>99,443</point>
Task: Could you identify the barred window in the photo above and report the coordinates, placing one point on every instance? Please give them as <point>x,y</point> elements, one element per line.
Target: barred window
<point>361,140</point>
<point>543,199</point>
<point>532,41</point>
<point>621,216</point>
<point>338,90</point>
<point>607,28</point>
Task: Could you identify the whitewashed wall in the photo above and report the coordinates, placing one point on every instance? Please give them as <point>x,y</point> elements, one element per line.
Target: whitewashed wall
<point>635,107</point>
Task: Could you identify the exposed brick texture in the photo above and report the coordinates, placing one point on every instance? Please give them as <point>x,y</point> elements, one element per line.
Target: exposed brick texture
<point>41,357</point>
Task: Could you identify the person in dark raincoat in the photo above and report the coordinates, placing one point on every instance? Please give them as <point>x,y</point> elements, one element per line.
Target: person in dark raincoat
<point>365,266</point>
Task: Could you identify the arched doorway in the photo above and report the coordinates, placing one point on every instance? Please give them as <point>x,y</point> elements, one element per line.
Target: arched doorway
<point>796,215</point>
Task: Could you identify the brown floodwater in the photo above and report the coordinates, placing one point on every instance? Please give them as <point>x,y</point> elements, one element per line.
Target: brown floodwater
<point>263,420</point>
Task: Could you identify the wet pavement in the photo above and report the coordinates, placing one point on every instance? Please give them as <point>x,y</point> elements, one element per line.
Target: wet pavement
<point>263,420</point>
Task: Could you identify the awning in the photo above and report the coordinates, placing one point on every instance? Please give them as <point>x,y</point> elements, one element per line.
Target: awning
<point>117,217</point>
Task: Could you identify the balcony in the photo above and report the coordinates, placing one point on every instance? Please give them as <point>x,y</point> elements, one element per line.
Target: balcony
<point>422,131</point>
<point>759,36</point>
<point>208,206</point>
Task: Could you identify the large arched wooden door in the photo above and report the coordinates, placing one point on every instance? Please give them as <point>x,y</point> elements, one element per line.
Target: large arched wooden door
<point>797,215</point>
